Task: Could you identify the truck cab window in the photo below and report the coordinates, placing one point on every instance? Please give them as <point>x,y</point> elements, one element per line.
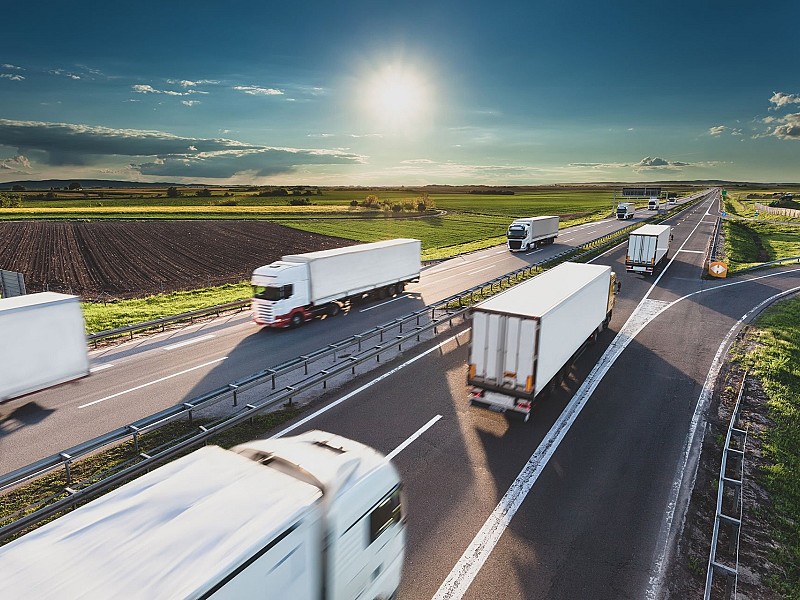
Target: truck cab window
<point>288,290</point>
<point>388,512</point>
<point>268,292</point>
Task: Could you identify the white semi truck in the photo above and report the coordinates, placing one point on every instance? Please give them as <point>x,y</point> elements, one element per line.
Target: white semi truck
<point>647,248</point>
<point>299,287</point>
<point>309,517</point>
<point>625,210</point>
<point>522,338</point>
<point>531,232</point>
<point>652,204</point>
<point>43,342</point>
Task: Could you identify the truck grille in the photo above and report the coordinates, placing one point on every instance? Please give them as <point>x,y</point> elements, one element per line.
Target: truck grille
<point>515,244</point>
<point>263,312</point>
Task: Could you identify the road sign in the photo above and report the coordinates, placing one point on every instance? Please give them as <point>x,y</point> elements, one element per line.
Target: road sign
<point>724,193</point>
<point>718,269</point>
<point>724,214</point>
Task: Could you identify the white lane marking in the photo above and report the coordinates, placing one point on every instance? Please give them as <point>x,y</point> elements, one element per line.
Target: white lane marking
<point>692,251</point>
<point>100,368</point>
<point>418,433</point>
<point>534,251</point>
<point>144,385</point>
<point>382,303</point>
<point>470,272</point>
<point>367,385</point>
<point>201,338</point>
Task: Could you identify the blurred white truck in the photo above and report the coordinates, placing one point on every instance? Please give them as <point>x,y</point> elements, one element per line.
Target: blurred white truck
<point>625,210</point>
<point>295,289</point>
<point>647,248</point>
<point>522,338</point>
<point>42,342</point>
<point>307,517</point>
<point>531,232</point>
<point>652,204</point>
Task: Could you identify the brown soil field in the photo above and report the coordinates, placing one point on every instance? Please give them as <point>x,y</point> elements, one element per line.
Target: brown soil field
<point>128,259</point>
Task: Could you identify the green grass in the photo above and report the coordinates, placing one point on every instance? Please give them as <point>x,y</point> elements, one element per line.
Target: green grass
<point>101,317</point>
<point>776,362</point>
<point>750,243</point>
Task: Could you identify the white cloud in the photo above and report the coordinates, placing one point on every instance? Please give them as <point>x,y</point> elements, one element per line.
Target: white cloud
<point>258,91</point>
<point>190,102</point>
<point>188,83</point>
<point>789,129</point>
<point>781,99</point>
<point>417,161</point>
<point>19,164</point>
<point>716,130</point>
<point>12,77</point>
<point>320,135</point>
<point>63,73</point>
<point>8,66</point>
<point>141,88</point>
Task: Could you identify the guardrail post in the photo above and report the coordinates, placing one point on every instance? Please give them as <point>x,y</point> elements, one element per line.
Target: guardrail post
<point>67,460</point>
<point>135,437</point>
<point>234,387</point>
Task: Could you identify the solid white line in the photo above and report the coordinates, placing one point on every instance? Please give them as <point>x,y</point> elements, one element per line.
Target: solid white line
<point>144,385</point>
<point>201,338</point>
<point>418,433</point>
<point>100,368</point>
<point>382,303</point>
<point>692,251</point>
<point>367,385</point>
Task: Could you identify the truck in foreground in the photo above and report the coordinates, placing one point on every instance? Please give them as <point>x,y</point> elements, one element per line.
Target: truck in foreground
<point>532,232</point>
<point>522,338</point>
<point>625,210</point>
<point>43,342</point>
<point>299,287</point>
<point>648,247</point>
<point>308,517</point>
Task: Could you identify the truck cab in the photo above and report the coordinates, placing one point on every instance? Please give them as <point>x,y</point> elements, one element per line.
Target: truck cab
<point>519,235</point>
<point>652,204</point>
<point>280,291</point>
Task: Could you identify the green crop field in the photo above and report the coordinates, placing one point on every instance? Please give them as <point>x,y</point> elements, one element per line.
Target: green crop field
<point>749,243</point>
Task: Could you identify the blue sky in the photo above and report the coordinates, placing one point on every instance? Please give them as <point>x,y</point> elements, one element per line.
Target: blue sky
<point>400,93</point>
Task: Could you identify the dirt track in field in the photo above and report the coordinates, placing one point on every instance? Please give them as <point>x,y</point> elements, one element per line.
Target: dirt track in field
<point>134,259</point>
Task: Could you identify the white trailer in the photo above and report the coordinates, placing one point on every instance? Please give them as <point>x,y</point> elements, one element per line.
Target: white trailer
<point>299,287</point>
<point>43,342</point>
<point>647,248</point>
<point>531,232</point>
<point>310,517</point>
<point>522,338</point>
<point>625,210</point>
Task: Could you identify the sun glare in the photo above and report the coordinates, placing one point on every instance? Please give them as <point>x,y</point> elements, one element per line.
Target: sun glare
<point>397,96</point>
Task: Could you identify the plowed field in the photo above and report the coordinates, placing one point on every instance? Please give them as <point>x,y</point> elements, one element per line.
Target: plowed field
<point>135,259</point>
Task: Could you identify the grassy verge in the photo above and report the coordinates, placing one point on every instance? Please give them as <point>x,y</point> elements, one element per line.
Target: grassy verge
<point>104,316</point>
<point>774,361</point>
<point>751,243</point>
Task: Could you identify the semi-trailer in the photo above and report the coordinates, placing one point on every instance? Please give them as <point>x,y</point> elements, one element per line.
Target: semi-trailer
<point>648,247</point>
<point>524,337</point>
<point>306,517</point>
<point>531,232</point>
<point>625,210</point>
<point>295,289</point>
<point>652,204</point>
<point>43,342</point>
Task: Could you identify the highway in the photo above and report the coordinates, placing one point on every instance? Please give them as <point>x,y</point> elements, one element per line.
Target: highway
<point>139,378</point>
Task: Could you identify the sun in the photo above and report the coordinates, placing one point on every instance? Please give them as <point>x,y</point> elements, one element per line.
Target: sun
<point>397,96</point>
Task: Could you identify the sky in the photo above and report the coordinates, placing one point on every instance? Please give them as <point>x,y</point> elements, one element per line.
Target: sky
<point>400,93</point>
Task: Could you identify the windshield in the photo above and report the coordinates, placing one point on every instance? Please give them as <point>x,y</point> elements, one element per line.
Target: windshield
<point>516,233</point>
<point>267,292</point>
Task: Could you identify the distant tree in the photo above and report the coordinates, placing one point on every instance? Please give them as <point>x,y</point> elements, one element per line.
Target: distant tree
<point>353,203</point>
<point>371,200</point>
<point>18,188</point>
<point>50,196</point>
<point>75,186</point>
<point>172,192</point>
<point>204,193</point>
<point>397,208</point>
<point>10,201</point>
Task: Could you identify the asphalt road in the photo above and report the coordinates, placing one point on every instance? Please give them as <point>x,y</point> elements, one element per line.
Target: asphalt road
<point>500,508</point>
<point>142,377</point>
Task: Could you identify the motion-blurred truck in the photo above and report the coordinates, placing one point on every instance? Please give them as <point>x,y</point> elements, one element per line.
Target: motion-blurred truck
<point>523,339</point>
<point>625,210</point>
<point>532,232</point>
<point>42,342</point>
<point>648,247</point>
<point>299,287</point>
<point>307,517</point>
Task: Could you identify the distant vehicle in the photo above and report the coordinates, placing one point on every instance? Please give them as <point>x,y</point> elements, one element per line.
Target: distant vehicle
<point>625,210</point>
<point>647,248</point>
<point>299,287</point>
<point>309,517</point>
<point>524,337</point>
<point>652,204</point>
<point>44,342</point>
<point>532,232</point>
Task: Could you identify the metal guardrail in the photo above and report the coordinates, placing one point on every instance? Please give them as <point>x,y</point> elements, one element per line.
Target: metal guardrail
<point>772,263</point>
<point>346,354</point>
<point>164,321</point>
<point>729,488</point>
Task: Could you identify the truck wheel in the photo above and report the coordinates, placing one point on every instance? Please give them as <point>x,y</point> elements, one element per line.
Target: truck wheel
<point>297,320</point>
<point>333,309</point>
<point>391,290</point>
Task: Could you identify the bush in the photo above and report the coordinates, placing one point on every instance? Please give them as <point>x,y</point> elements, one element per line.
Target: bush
<point>204,193</point>
<point>10,201</point>
<point>299,202</point>
<point>397,208</point>
<point>353,203</point>
<point>228,202</point>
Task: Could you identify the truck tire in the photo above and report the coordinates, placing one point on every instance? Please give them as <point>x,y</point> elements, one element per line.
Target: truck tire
<point>333,309</point>
<point>297,320</point>
<point>391,290</point>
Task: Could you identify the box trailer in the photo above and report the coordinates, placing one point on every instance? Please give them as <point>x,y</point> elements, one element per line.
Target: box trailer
<point>299,287</point>
<point>531,232</point>
<point>43,342</point>
<point>647,248</point>
<point>625,210</point>
<point>309,517</point>
<point>523,337</point>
